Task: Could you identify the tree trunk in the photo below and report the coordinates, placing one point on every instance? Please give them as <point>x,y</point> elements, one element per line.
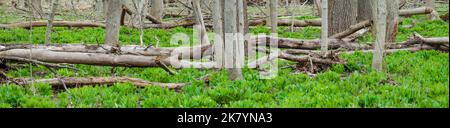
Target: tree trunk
<point>48,33</point>
<point>139,5</point>
<point>324,32</point>
<point>231,42</point>
<point>273,4</point>
<point>219,45</point>
<point>113,22</point>
<point>364,10</point>
<point>392,20</point>
<point>379,17</point>
<point>200,23</point>
<point>342,14</point>
<point>157,9</point>
<point>99,10</point>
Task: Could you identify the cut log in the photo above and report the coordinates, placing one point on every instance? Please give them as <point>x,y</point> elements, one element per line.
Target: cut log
<point>81,81</point>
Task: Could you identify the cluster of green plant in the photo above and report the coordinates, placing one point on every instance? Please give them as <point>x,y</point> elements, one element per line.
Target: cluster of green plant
<point>412,80</point>
<point>62,35</point>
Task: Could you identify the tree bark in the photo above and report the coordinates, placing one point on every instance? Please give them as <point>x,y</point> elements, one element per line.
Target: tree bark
<point>324,31</point>
<point>342,14</point>
<point>273,4</point>
<point>392,20</point>
<point>99,10</point>
<point>218,21</point>
<point>139,5</point>
<point>231,43</point>
<point>48,32</point>
<point>364,10</point>
<point>380,17</point>
<point>113,22</point>
<point>157,9</point>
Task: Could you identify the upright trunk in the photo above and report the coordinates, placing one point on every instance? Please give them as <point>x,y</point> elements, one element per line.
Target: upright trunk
<point>232,43</point>
<point>139,5</point>
<point>99,13</point>
<point>324,32</point>
<point>392,20</point>
<point>157,9</point>
<point>219,44</point>
<point>341,15</point>
<point>113,22</point>
<point>268,18</point>
<point>273,15</point>
<point>364,10</point>
<point>379,17</point>
<point>246,24</point>
<point>48,33</point>
<point>201,24</point>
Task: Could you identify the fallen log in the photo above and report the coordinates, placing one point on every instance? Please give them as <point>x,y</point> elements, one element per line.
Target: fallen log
<point>418,11</point>
<point>82,81</point>
<point>352,29</point>
<point>78,24</point>
<point>297,23</point>
<point>337,43</point>
<point>185,23</point>
<point>431,41</point>
<point>100,56</point>
<point>304,44</point>
<point>186,52</point>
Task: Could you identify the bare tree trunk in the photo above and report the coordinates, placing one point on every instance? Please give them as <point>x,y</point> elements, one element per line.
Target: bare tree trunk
<point>392,20</point>
<point>157,9</point>
<point>219,45</point>
<point>324,31</point>
<point>139,5</point>
<point>379,17</point>
<point>364,10</point>
<point>342,14</point>
<point>231,43</point>
<point>199,18</point>
<point>113,22</point>
<point>48,33</point>
<point>273,4</point>
<point>99,13</point>
<point>268,18</point>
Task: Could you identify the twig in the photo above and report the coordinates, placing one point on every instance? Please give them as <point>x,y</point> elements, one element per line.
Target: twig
<point>37,62</point>
<point>158,61</point>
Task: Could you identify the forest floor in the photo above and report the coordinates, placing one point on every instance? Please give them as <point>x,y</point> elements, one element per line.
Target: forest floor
<point>414,80</point>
